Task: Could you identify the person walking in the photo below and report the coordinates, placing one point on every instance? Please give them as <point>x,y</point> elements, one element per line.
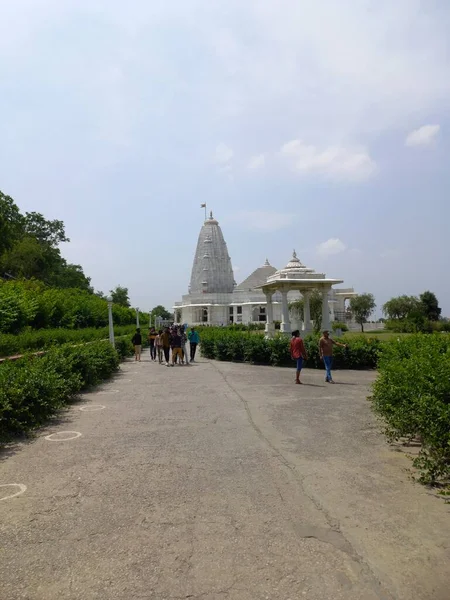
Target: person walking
<point>194,340</point>
<point>151,340</point>
<point>183,344</point>
<point>165,344</point>
<point>326,353</point>
<point>158,347</point>
<point>137,343</point>
<point>175,342</point>
<point>298,353</point>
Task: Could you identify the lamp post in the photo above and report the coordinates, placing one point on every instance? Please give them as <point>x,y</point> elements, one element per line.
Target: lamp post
<point>137,317</point>
<point>149,319</point>
<point>110,322</point>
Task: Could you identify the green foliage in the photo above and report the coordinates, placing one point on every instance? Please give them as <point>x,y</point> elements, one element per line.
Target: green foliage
<point>29,248</point>
<point>430,306</point>
<point>409,314</point>
<point>400,307</point>
<point>34,388</point>
<point>223,344</point>
<point>412,395</point>
<point>160,311</point>
<point>42,339</point>
<point>33,304</point>
<point>120,296</point>
<point>337,325</point>
<point>362,306</point>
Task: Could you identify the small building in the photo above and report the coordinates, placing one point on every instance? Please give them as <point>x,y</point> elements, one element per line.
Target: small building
<point>214,298</point>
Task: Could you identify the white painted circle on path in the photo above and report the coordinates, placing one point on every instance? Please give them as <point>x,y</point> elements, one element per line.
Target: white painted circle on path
<point>66,436</point>
<point>92,407</point>
<point>108,392</point>
<point>21,490</point>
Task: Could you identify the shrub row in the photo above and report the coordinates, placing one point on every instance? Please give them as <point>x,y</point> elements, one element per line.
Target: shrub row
<point>34,304</point>
<point>34,388</point>
<point>41,339</point>
<point>412,395</point>
<point>221,344</point>
<point>419,325</point>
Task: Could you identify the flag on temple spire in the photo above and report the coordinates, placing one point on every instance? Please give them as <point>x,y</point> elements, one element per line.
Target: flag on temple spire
<point>202,205</point>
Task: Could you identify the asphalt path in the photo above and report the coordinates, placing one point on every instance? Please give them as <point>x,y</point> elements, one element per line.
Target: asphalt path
<point>218,481</point>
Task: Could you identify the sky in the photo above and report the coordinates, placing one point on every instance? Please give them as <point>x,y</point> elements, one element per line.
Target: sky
<point>320,126</point>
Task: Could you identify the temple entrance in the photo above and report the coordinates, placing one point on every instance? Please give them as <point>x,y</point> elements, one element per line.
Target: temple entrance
<point>259,314</point>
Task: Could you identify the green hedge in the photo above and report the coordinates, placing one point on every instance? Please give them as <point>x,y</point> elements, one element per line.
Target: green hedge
<point>223,344</point>
<point>412,395</point>
<point>38,306</point>
<point>34,388</point>
<point>41,339</point>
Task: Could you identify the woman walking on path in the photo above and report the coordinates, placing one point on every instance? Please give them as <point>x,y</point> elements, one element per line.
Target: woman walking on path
<point>326,353</point>
<point>298,353</point>
<point>137,343</point>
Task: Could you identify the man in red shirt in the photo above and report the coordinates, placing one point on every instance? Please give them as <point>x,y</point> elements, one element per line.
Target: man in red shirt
<point>298,353</point>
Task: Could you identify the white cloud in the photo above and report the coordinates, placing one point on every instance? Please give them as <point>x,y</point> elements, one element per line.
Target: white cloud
<point>257,162</point>
<point>335,162</point>
<point>261,220</point>
<point>236,269</point>
<point>223,154</point>
<point>330,247</point>
<point>423,136</point>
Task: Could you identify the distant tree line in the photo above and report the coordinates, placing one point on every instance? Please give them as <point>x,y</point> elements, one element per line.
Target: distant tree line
<point>415,313</point>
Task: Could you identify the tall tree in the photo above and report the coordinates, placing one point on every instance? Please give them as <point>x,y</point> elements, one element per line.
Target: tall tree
<point>11,223</point>
<point>430,306</point>
<point>315,308</point>
<point>362,306</point>
<point>400,307</point>
<point>51,233</point>
<point>160,311</point>
<point>120,296</point>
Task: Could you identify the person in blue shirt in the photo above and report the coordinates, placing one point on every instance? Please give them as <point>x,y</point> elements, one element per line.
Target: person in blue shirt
<point>194,340</point>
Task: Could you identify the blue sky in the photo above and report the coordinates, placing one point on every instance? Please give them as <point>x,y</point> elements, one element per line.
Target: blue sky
<point>317,126</point>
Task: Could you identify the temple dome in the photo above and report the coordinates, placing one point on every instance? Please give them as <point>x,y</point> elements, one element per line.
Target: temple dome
<point>257,278</point>
<point>212,272</point>
<point>295,269</point>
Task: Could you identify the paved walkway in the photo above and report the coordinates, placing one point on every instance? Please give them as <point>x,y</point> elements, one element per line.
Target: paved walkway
<point>219,481</point>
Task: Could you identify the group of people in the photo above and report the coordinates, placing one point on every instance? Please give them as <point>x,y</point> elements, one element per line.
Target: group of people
<point>168,346</point>
<point>298,353</point>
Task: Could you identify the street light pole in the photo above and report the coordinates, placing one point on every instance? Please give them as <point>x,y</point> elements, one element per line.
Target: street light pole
<point>137,317</point>
<point>110,322</point>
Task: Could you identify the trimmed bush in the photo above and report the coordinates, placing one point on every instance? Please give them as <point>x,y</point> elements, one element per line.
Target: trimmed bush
<point>224,344</point>
<point>412,395</point>
<point>33,388</point>
<point>46,338</point>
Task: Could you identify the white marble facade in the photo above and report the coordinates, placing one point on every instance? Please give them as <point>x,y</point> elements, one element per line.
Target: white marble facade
<point>214,298</point>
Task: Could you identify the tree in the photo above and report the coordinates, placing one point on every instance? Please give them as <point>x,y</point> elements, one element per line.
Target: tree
<point>11,223</point>
<point>430,306</point>
<point>400,307</point>
<point>160,311</point>
<point>120,296</point>
<point>362,306</point>
<point>51,233</point>
<point>315,308</point>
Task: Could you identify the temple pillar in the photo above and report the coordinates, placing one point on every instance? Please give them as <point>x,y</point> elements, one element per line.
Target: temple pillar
<point>270,326</point>
<point>307,324</point>
<point>285,321</point>
<point>325,311</point>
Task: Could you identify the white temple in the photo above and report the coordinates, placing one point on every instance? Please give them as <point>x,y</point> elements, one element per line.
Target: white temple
<point>214,298</point>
